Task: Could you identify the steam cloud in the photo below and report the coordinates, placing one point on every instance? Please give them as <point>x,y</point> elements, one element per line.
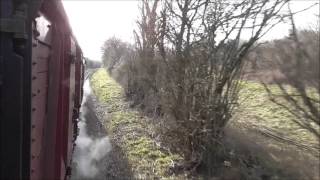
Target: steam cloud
<point>89,150</point>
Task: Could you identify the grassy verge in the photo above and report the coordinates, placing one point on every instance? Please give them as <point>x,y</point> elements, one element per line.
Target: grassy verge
<point>133,132</point>
<point>256,109</point>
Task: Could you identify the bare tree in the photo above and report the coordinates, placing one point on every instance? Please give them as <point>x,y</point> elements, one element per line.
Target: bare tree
<point>189,64</point>
<point>206,64</point>
<point>299,63</point>
<point>114,50</point>
<point>143,87</point>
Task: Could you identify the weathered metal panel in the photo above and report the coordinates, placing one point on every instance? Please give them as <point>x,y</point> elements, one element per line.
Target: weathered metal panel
<point>55,69</point>
<point>38,94</point>
<point>40,57</point>
<point>13,100</point>
<point>72,59</point>
<point>63,109</point>
<point>62,88</point>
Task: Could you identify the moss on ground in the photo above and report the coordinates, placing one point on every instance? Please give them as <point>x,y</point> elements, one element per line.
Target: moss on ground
<point>107,90</point>
<point>143,150</point>
<point>257,109</point>
<point>148,161</point>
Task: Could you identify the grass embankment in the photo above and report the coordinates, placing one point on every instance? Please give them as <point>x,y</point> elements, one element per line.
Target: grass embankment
<point>132,131</point>
<point>256,109</point>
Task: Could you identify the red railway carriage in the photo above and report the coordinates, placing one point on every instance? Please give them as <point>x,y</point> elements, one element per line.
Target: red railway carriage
<point>41,77</point>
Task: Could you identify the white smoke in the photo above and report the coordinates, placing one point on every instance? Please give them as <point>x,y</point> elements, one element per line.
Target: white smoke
<point>89,150</point>
<point>86,92</point>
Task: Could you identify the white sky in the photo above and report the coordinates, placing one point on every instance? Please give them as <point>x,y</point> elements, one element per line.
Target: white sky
<point>94,21</point>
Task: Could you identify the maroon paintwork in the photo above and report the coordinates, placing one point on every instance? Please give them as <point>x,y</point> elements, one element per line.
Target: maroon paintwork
<point>57,79</point>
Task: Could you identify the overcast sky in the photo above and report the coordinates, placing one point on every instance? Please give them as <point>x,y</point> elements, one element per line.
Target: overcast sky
<point>95,21</point>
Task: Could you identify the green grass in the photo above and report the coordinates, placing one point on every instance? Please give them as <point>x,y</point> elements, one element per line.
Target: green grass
<point>257,109</point>
<point>107,90</point>
<point>148,161</point>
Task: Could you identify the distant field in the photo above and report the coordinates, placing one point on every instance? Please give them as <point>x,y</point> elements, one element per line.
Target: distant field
<point>257,110</point>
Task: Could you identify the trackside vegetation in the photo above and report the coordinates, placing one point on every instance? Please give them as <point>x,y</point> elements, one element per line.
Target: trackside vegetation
<point>257,110</point>
<point>147,159</point>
